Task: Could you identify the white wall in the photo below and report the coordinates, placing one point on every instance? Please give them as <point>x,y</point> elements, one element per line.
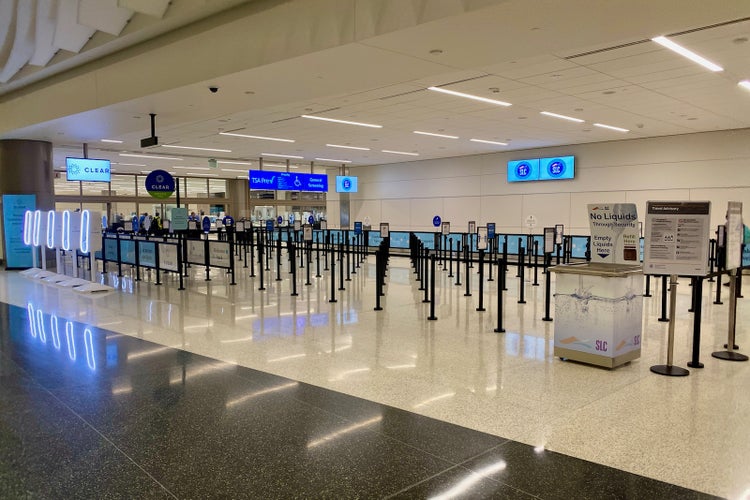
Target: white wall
<point>711,166</point>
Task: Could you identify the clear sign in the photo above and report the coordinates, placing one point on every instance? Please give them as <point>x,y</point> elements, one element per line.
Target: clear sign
<point>614,233</point>
<point>676,240</point>
<point>384,230</point>
<point>87,169</point>
<point>160,184</point>
<point>179,219</point>
<point>482,238</point>
<point>14,209</point>
<point>285,181</point>
<point>446,227</point>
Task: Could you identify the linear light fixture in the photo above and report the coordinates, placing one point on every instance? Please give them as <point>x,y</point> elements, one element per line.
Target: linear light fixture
<point>260,137</point>
<point>484,141</point>
<point>563,117</point>
<point>113,141</point>
<point>282,156</point>
<point>347,147</point>
<point>197,149</point>
<point>153,157</point>
<point>399,152</point>
<point>232,170</point>
<point>610,127</point>
<point>204,175</point>
<point>333,160</point>
<point>345,122</point>
<point>674,47</point>
<point>444,136</point>
<point>745,84</point>
<point>235,162</point>
<point>470,96</point>
<point>129,164</point>
<point>192,168</point>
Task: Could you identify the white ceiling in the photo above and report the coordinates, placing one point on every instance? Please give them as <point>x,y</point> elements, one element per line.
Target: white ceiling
<point>626,81</point>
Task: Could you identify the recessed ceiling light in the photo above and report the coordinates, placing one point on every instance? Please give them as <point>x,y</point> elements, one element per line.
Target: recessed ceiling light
<point>436,135</point>
<point>347,147</point>
<point>263,138</point>
<point>192,168</point>
<point>563,117</point>
<point>399,152</point>
<point>665,42</point>
<point>745,84</point>
<point>610,127</point>
<point>436,52</point>
<point>345,122</point>
<point>333,160</point>
<point>235,162</point>
<point>282,156</point>
<point>233,170</point>
<point>114,141</point>
<point>153,157</point>
<point>199,149</point>
<point>470,96</point>
<point>489,142</point>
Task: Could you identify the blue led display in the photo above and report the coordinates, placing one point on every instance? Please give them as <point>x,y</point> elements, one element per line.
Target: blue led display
<point>559,167</point>
<point>286,181</point>
<point>346,184</point>
<point>523,170</point>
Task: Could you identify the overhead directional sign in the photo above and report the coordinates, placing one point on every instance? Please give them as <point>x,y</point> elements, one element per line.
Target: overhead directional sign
<point>286,181</point>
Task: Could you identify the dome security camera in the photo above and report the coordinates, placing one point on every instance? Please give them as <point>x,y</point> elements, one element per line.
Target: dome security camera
<point>213,89</point>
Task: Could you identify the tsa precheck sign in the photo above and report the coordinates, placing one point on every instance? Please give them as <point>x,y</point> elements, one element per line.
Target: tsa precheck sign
<point>285,181</point>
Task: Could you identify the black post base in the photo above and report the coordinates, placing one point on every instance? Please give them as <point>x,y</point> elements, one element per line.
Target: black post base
<point>546,319</point>
<point>729,356</point>
<point>664,320</point>
<point>670,371</point>
<point>726,346</point>
<point>499,330</point>
<point>432,318</point>
<point>695,365</point>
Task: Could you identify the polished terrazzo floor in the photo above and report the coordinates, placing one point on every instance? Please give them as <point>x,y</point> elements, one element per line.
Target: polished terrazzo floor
<point>185,383</point>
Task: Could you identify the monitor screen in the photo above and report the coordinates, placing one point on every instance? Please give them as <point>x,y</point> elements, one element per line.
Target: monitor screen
<point>559,167</point>
<point>523,170</point>
<point>286,181</point>
<point>87,169</point>
<point>346,184</point>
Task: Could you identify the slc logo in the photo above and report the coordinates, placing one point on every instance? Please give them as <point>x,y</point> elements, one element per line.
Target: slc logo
<point>556,168</point>
<point>523,170</point>
<point>347,184</point>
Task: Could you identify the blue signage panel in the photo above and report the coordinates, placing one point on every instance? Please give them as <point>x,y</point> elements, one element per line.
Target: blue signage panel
<point>87,169</point>
<point>179,219</point>
<point>147,253</point>
<point>490,230</point>
<point>357,228</point>
<point>279,220</point>
<point>311,220</point>
<point>269,225</point>
<point>110,249</point>
<point>127,251</point>
<point>523,170</point>
<point>160,184</point>
<point>560,167</point>
<point>286,181</point>
<point>346,184</point>
<point>14,208</point>
<point>436,221</point>
<point>228,220</point>
<point>206,223</point>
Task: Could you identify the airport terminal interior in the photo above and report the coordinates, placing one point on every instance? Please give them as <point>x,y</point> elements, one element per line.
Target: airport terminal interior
<point>374,249</point>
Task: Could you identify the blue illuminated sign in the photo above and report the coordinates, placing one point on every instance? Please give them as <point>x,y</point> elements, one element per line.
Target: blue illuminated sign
<point>436,221</point>
<point>17,254</point>
<point>357,228</point>
<point>490,230</point>
<point>561,167</point>
<point>523,170</point>
<point>87,169</point>
<point>346,184</point>
<point>269,225</point>
<point>285,181</point>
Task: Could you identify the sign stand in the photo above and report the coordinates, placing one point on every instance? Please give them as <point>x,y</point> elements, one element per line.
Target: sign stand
<point>669,369</point>
<point>730,354</point>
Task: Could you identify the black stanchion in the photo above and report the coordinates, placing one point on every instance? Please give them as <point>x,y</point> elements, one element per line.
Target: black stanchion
<point>501,268</point>
<point>378,279</point>
<point>547,288</point>
<point>341,266</point>
<point>648,286</point>
<point>697,307</point>
<point>468,273</point>
<point>536,263</point>
<point>458,263</point>
<point>293,263</point>
<point>664,287</point>
<point>669,369</point>
<point>491,260</point>
<point>252,253</point>
<point>348,251</point>
<point>481,281</point>
<point>180,263</point>
<point>730,354</point>
<point>432,316</point>
<point>711,258</point>
<point>231,260</point>
<point>260,266</point>
<point>333,276</point>
<point>450,258</point>
<point>521,283</point>
<point>317,257</point>
<point>426,280</point>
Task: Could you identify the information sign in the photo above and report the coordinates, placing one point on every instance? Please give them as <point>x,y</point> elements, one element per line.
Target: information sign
<point>676,240</point>
<point>472,227</point>
<point>110,249</point>
<point>218,254</point>
<point>549,239</point>
<point>491,230</point>
<point>179,219</point>
<point>735,235</point>
<point>127,251</point>
<point>307,232</point>
<point>168,257</point>
<point>269,225</point>
<point>385,231</point>
<point>279,220</point>
<point>446,227</point>
<point>17,254</point>
<point>357,228</point>
<point>559,229</point>
<point>530,221</point>
<point>147,253</point>
<point>614,233</point>
<point>206,223</point>
<point>160,184</point>
<point>482,238</point>
<point>297,225</point>
<point>311,220</point>
<point>196,251</point>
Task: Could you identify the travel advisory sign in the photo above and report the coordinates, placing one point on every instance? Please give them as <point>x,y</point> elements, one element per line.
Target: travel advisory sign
<point>614,233</point>
<point>676,238</point>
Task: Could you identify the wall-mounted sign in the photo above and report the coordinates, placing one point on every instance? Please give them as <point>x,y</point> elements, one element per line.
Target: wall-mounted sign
<point>541,169</point>
<point>676,240</point>
<point>530,221</point>
<point>160,184</point>
<point>614,233</point>
<point>285,181</point>
<point>346,184</point>
<point>87,169</point>
<point>436,221</point>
